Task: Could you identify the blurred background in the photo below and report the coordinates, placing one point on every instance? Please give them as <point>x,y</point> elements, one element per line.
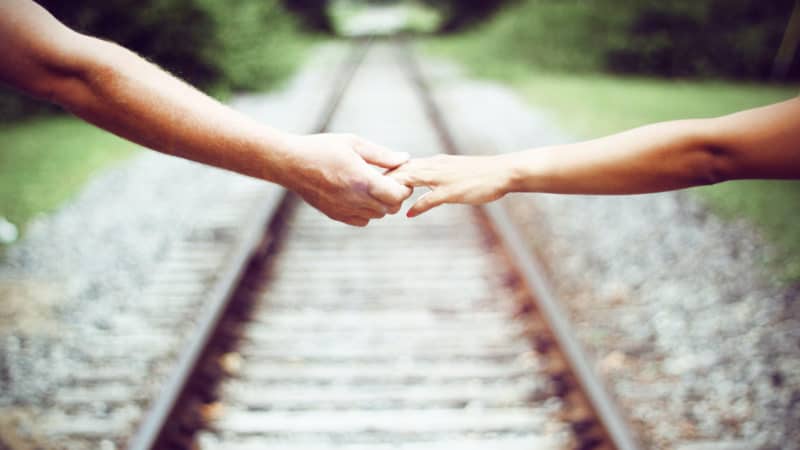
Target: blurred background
<point>638,61</point>
<point>690,297</point>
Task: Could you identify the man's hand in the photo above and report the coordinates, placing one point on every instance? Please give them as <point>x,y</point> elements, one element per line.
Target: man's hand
<point>332,173</point>
<point>456,179</point>
<point>119,91</point>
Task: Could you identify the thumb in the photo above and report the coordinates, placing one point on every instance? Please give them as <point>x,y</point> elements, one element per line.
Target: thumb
<point>380,156</point>
<point>387,190</point>
<point>428,201</point>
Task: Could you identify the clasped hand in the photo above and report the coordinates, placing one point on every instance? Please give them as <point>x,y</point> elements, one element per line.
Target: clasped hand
<point>332,172</point>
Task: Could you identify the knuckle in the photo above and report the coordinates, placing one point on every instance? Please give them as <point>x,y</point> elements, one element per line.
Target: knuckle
<point>390,198</point>
<point>358,184</point>
<point>345,190</point>
<point>341,185</point>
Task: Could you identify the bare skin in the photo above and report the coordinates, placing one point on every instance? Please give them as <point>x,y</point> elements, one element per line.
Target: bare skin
<point>119,91</point>
<point>758,143</point>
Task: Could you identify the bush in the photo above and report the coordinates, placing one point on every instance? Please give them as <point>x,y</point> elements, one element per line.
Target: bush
<point>720,38</point>
<point>256,43</point>
<point>687,38</point>
<point>313,13</point>
<point>460,14</point>
<point>216,45</point>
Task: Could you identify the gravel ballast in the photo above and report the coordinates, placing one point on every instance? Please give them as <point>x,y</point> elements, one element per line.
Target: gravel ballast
<point>79,273</point>
<point>696,338</point>
<point>694,335</point>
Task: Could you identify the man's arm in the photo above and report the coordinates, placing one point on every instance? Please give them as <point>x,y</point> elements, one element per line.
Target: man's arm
<point>117,90</point>
<point>758,143</point>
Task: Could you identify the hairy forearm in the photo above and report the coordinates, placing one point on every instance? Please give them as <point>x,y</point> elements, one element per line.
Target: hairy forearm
<point>654,158</point>
<point>117,90</point>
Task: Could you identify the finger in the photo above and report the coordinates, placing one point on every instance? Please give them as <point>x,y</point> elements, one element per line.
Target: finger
<point>387,191</point>
<point>356,221</point>
<point>361,201</point>
<point>380,156</point>
<point>428,201</point>
<point>372,214</point>
<point>409,174</point>
<point>370,207</point>
<point>402,175</point>
<point>395,209</point>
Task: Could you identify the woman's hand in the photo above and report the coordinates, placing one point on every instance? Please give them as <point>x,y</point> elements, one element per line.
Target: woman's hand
<point>456,179</point>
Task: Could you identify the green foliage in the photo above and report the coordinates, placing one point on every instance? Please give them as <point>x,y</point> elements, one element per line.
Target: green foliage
<point>695,38</point>
<point>348,16</point>
<point>628,102</point>
<point>216,45</point>
<point>256,42</point>
<point>314,14</point>
<point>44,161</point>
<point>460,14</point>
<point>552,34</point>
<point>721,38</point>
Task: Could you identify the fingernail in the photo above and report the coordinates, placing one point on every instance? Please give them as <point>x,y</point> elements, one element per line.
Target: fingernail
<point>405,156</point>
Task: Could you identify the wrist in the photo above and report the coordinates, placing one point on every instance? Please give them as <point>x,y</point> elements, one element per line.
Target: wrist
<point>510,172</point>
<point>278,155</point>
<point>527,171</point>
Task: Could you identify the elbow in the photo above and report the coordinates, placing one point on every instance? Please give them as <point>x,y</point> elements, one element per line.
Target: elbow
<point>55,87</point>
<point>69,91</point>
<point>704,158</point>
<point>712,164</point>
<point>71,79</point>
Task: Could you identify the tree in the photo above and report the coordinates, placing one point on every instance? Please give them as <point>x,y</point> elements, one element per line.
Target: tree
<point>314,13</point>
<point>460,14</point>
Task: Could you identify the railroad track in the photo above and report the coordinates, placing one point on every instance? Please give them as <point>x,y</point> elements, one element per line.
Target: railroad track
<point>434,333</point>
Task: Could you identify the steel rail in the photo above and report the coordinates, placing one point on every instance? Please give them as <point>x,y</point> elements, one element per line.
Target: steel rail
<point>152,428</point>
<point>616,426</point>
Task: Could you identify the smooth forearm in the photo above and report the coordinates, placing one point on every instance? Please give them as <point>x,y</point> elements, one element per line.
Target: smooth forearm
<point>654,158</point>
<point>121,92</point>
<point>758,143</point>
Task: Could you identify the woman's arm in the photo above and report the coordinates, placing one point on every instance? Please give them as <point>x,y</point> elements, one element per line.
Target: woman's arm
<point>757,143</point>
<point>119,91</point>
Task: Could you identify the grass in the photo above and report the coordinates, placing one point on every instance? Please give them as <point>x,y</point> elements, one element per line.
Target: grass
<point>630,102</point>
<point>46,160</point>
<point>593,104</point>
